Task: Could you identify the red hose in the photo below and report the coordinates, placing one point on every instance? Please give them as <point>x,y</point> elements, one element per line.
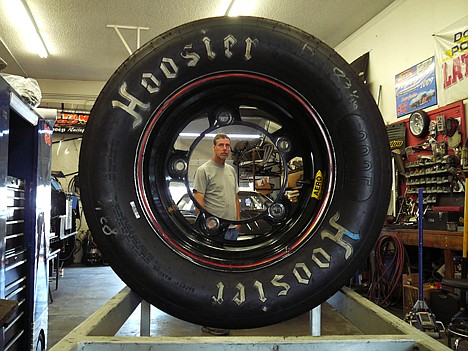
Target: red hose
<point>387,264</point>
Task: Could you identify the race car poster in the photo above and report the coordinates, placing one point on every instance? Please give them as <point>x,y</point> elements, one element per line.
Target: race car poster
<point>451,47</point>
<point>415,88</point>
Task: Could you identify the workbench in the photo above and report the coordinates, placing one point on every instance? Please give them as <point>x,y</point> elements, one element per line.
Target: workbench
<point>449,242</point>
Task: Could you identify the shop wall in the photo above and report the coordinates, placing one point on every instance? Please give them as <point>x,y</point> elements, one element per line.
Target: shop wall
<point>397,39</point>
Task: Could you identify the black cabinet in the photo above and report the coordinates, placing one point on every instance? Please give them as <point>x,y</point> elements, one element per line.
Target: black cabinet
<point>25,156</point>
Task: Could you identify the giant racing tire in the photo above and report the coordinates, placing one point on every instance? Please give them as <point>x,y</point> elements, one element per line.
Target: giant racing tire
<point>233,73</point>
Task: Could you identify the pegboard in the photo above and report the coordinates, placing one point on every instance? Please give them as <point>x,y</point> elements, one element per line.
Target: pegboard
<point>436,170</point>
<point>455,110</point>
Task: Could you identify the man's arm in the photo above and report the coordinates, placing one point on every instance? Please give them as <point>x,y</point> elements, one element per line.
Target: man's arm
<point>238,210</point>
<point>200,199</point>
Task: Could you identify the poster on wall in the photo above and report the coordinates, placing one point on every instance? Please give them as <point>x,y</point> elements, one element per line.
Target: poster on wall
<point>71,122</point>
<point>451,47</point>
<point>415,88</point>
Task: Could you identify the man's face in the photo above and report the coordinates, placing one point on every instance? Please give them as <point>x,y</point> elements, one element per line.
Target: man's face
<point>222,148</point>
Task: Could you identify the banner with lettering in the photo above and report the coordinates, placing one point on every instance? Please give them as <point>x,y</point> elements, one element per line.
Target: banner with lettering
<point>71,122</point>
<point>451,46</point>
<point>415,87</point>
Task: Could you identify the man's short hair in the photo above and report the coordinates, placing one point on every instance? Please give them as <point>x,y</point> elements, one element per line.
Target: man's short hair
<point>220,136</point>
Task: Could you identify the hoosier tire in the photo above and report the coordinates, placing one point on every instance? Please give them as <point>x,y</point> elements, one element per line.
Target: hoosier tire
<point>217,69</point>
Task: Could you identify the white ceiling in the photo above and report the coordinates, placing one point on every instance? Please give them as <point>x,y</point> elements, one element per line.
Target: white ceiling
<point>82,47</point>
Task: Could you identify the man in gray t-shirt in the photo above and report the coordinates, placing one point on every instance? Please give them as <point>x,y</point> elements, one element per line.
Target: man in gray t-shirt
<point>215,185</point>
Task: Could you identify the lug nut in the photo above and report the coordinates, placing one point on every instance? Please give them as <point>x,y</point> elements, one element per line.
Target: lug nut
<point>277,211</point>
<point>283,145</point>
<point>179,166</point>
<point>212,223</point>
<point>224,117</point>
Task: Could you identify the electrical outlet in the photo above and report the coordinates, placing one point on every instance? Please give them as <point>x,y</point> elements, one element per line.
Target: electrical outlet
<point>441,127</point>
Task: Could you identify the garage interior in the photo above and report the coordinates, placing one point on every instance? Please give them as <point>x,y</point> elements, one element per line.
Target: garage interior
<point>54,277</point>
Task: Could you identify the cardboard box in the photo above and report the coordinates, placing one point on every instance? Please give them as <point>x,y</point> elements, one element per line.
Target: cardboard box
<point>293,178</point>
<point>411,291</point>
<point>263,186</point>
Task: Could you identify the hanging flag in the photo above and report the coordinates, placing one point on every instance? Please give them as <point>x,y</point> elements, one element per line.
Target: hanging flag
<point>451,46</point>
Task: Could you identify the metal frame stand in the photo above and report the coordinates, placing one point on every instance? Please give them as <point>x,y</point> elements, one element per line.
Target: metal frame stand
<point>315,318</point>
<point>383,331</point>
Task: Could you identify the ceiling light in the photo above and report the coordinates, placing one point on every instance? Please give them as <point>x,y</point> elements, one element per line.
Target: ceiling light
<point>241,7</point>
<point>232,136</point>
<point>23,16</point>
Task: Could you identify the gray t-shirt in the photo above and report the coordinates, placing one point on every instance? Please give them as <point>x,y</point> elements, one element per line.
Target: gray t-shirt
<point>219,185</point>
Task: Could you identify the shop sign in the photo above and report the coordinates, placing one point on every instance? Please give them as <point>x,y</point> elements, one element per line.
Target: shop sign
<point>451,46</point>
<point>71,122</point>
<point>415,88</point>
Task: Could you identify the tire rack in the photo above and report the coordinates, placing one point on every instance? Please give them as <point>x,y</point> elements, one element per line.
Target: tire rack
<point>25,155</point>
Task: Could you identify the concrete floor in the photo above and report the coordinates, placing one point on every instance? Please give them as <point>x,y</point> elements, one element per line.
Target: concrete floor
<point>83,289</point>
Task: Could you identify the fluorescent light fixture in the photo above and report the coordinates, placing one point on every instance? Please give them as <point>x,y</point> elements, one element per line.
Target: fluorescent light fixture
<point>23,16</point>
<point>232,136</point>
<point>241,7</point>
